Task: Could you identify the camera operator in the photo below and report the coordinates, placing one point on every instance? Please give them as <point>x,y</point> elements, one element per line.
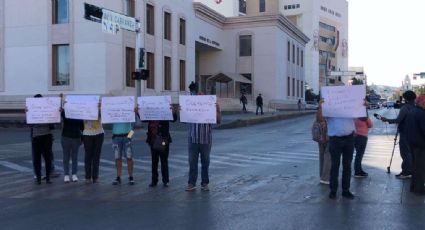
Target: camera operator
<point>405,153</point>
<point>415,123</point>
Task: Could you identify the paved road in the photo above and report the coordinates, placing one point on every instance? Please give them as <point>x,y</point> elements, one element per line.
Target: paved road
<point>262,177</point>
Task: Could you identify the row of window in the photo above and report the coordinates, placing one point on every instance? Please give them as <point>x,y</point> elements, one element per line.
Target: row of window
<point>327,27</point>
<point>329,41</point>
<point>330,11</point>
<point>297,87</point>
<point>290,7</point>
<point>297,56</point>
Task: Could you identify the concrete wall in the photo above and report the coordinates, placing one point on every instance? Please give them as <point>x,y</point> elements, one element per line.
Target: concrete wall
<point>227,8</point>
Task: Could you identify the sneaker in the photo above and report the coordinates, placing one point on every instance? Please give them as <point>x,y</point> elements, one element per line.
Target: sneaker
<point>74,178</point>
<point>403,176</point>
<point>361,174</point>
<point>324,181</point>
<point>66,179</point>
<point>332,195</point>
<point>130,180</point>
<point>117,181</point>
<point>205,187</point>
<point>348,195</point>
<point>190,188</point>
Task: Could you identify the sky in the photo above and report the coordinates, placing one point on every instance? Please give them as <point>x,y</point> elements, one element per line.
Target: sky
<point>387,38</point>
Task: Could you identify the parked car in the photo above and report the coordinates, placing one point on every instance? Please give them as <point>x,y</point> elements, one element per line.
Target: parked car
<point>311,105</point>
<point>390,104</point>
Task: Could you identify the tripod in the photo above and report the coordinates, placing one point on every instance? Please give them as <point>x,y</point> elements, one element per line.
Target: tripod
<point>392,154</point>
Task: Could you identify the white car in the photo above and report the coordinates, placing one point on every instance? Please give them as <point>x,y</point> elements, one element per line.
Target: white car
<point>311,105</point>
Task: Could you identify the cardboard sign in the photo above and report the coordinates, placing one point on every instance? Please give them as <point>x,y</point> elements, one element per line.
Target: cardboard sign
<point>43,110</point>
<point>344,101</point>
<point>155,108</point>
<point>198,109</point>
<point>82,107</point>
<point>117,109</point>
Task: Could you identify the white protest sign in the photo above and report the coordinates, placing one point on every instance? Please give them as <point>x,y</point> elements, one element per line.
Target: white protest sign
<point>155,108</point>
<point>117,109</point>
<point>43,110</point>
<point>198,109</point>
<point>344,101</point>
<point>83,107</point>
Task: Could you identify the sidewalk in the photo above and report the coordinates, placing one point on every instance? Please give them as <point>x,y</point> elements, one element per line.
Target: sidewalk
<point>230,120</point>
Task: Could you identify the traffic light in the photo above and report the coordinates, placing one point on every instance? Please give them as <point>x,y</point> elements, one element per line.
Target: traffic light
<point>141,58</point>
<point>140,75</point>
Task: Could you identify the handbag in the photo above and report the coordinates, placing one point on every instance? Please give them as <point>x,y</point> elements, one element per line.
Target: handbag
<point>160,143</point>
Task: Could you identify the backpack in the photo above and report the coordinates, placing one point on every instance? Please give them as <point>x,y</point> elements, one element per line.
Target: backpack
<point>318,132</point>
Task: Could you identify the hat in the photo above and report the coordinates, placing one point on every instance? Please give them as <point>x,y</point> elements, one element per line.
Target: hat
<point>420,99</point>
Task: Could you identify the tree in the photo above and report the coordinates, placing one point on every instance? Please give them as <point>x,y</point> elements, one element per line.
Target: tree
<point>356,81</point>
<point>310,96</point>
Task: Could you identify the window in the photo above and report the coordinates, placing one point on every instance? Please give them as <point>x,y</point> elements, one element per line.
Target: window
<point>302,89</point>
<point>245,45</point>
<point>298,5</point>
<point>289,51</point>
<point>327,27</point>
<point>130,8</point>
<point>60,65</point>
<point>302,58</point>
<point>182,75</point>
<point>150,65</point>
<point>182,31</point>
<point>130,66</point>
<point>150,19</point>
<point>242,6</point>
<point>298,88</point>
<point>285,7</point>
<point>60,11</point>
<point>293,87</point>
<point>167,73</point>
<point>167,26</point>
<point>298,55</point>
<point>288,87</point>
<point>293,53</point>
<point>262,5</point>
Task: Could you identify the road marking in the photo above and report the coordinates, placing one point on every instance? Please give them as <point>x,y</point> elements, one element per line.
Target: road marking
<point>14,166</point>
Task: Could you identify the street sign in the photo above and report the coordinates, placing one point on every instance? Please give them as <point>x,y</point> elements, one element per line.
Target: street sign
<point>115,21</point>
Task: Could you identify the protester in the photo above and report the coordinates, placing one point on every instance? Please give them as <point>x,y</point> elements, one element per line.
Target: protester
<point>320,135</point>
<point>41,142</point>
<point>244,101</point>
<point>405,153</point>
<point>93,135</point>
<point>71,141</point>
<point>259,101</point>
<point>122,146</point>
<point>160,129</point>
<point>415,124</point>
<point>200,141</point>
<point>362,125</point>
<point>193,88</point>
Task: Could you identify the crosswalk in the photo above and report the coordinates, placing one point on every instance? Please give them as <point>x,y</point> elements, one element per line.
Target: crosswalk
<point>293,151</point>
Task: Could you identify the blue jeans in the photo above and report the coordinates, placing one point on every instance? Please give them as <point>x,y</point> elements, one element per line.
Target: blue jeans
<point>122,146</point>
<point>70,148</point>
<point>360,145</point>
<point>341,146</point>
<point>194,151</point>
<point>406,155</point>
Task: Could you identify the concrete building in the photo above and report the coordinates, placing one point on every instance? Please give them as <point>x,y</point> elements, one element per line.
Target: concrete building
<point>49,47</point>
<point>326,23</point>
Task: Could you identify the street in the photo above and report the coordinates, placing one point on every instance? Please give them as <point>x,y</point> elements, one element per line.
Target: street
<point>261,177</point>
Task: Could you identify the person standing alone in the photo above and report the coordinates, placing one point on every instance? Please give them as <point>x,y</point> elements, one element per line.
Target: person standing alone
<point>259,101</point>
<point>244,101</point>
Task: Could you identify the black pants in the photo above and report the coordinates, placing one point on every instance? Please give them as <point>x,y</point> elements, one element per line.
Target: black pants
<point>42,146</point>
<point>341,146</point>
<point>243,107</point>
<point>261,108</point>
<point>360,143</point>
<point>163,156</point>
<point>418,175</point>
<point>92,148</point>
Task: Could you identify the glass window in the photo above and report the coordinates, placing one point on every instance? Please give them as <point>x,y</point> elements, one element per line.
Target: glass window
<point>288,87</point>
<point>167,26</point>
<point>167,73</point>
<point>242,6</point>
<point>60,65</point>
<point>298,5</point>
<point>150,19</point>
<point>298,55</point>
<point>130,8</point>
<point>285,7</point>
<point>289,51</point>
<point>182,31</point>
<point>293,87</point>
<point>60,11</point>
<point>150,65</point>
<point>262,5</point>
<point>182,75</point>
<point>293,53</point>
<point>245,45</point>
<point>130,66</point>
<point>302,58</point>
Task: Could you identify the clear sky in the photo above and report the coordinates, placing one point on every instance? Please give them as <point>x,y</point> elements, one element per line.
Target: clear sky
<point>387,38</point>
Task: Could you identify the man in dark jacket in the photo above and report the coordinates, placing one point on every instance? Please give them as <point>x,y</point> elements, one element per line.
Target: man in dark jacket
<point>415,123</point>
<point>244,101</point>
<point>259,101</point>
<point>405,153</point>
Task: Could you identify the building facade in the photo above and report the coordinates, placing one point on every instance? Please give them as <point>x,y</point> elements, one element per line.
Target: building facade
<point>326,23</point>
<point>49,47</point>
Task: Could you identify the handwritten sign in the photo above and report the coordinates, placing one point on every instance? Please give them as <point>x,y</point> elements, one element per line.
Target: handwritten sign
<point>117,109</point>
<point>155,108</point>
<point>43,110</point>
<point>344,101</point>
<point>198,109</point>
<point>82,107</point>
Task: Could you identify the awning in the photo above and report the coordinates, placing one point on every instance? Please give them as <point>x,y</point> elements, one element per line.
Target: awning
<point>228,77</point>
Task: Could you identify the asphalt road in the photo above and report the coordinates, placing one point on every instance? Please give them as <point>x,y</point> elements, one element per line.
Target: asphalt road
<point>262,177</point>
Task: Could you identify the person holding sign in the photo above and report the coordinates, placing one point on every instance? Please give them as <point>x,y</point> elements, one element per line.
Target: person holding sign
<point>159,139</point>
<point>121,145</point>
<point>71,141</point>
<point>200,141</point>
